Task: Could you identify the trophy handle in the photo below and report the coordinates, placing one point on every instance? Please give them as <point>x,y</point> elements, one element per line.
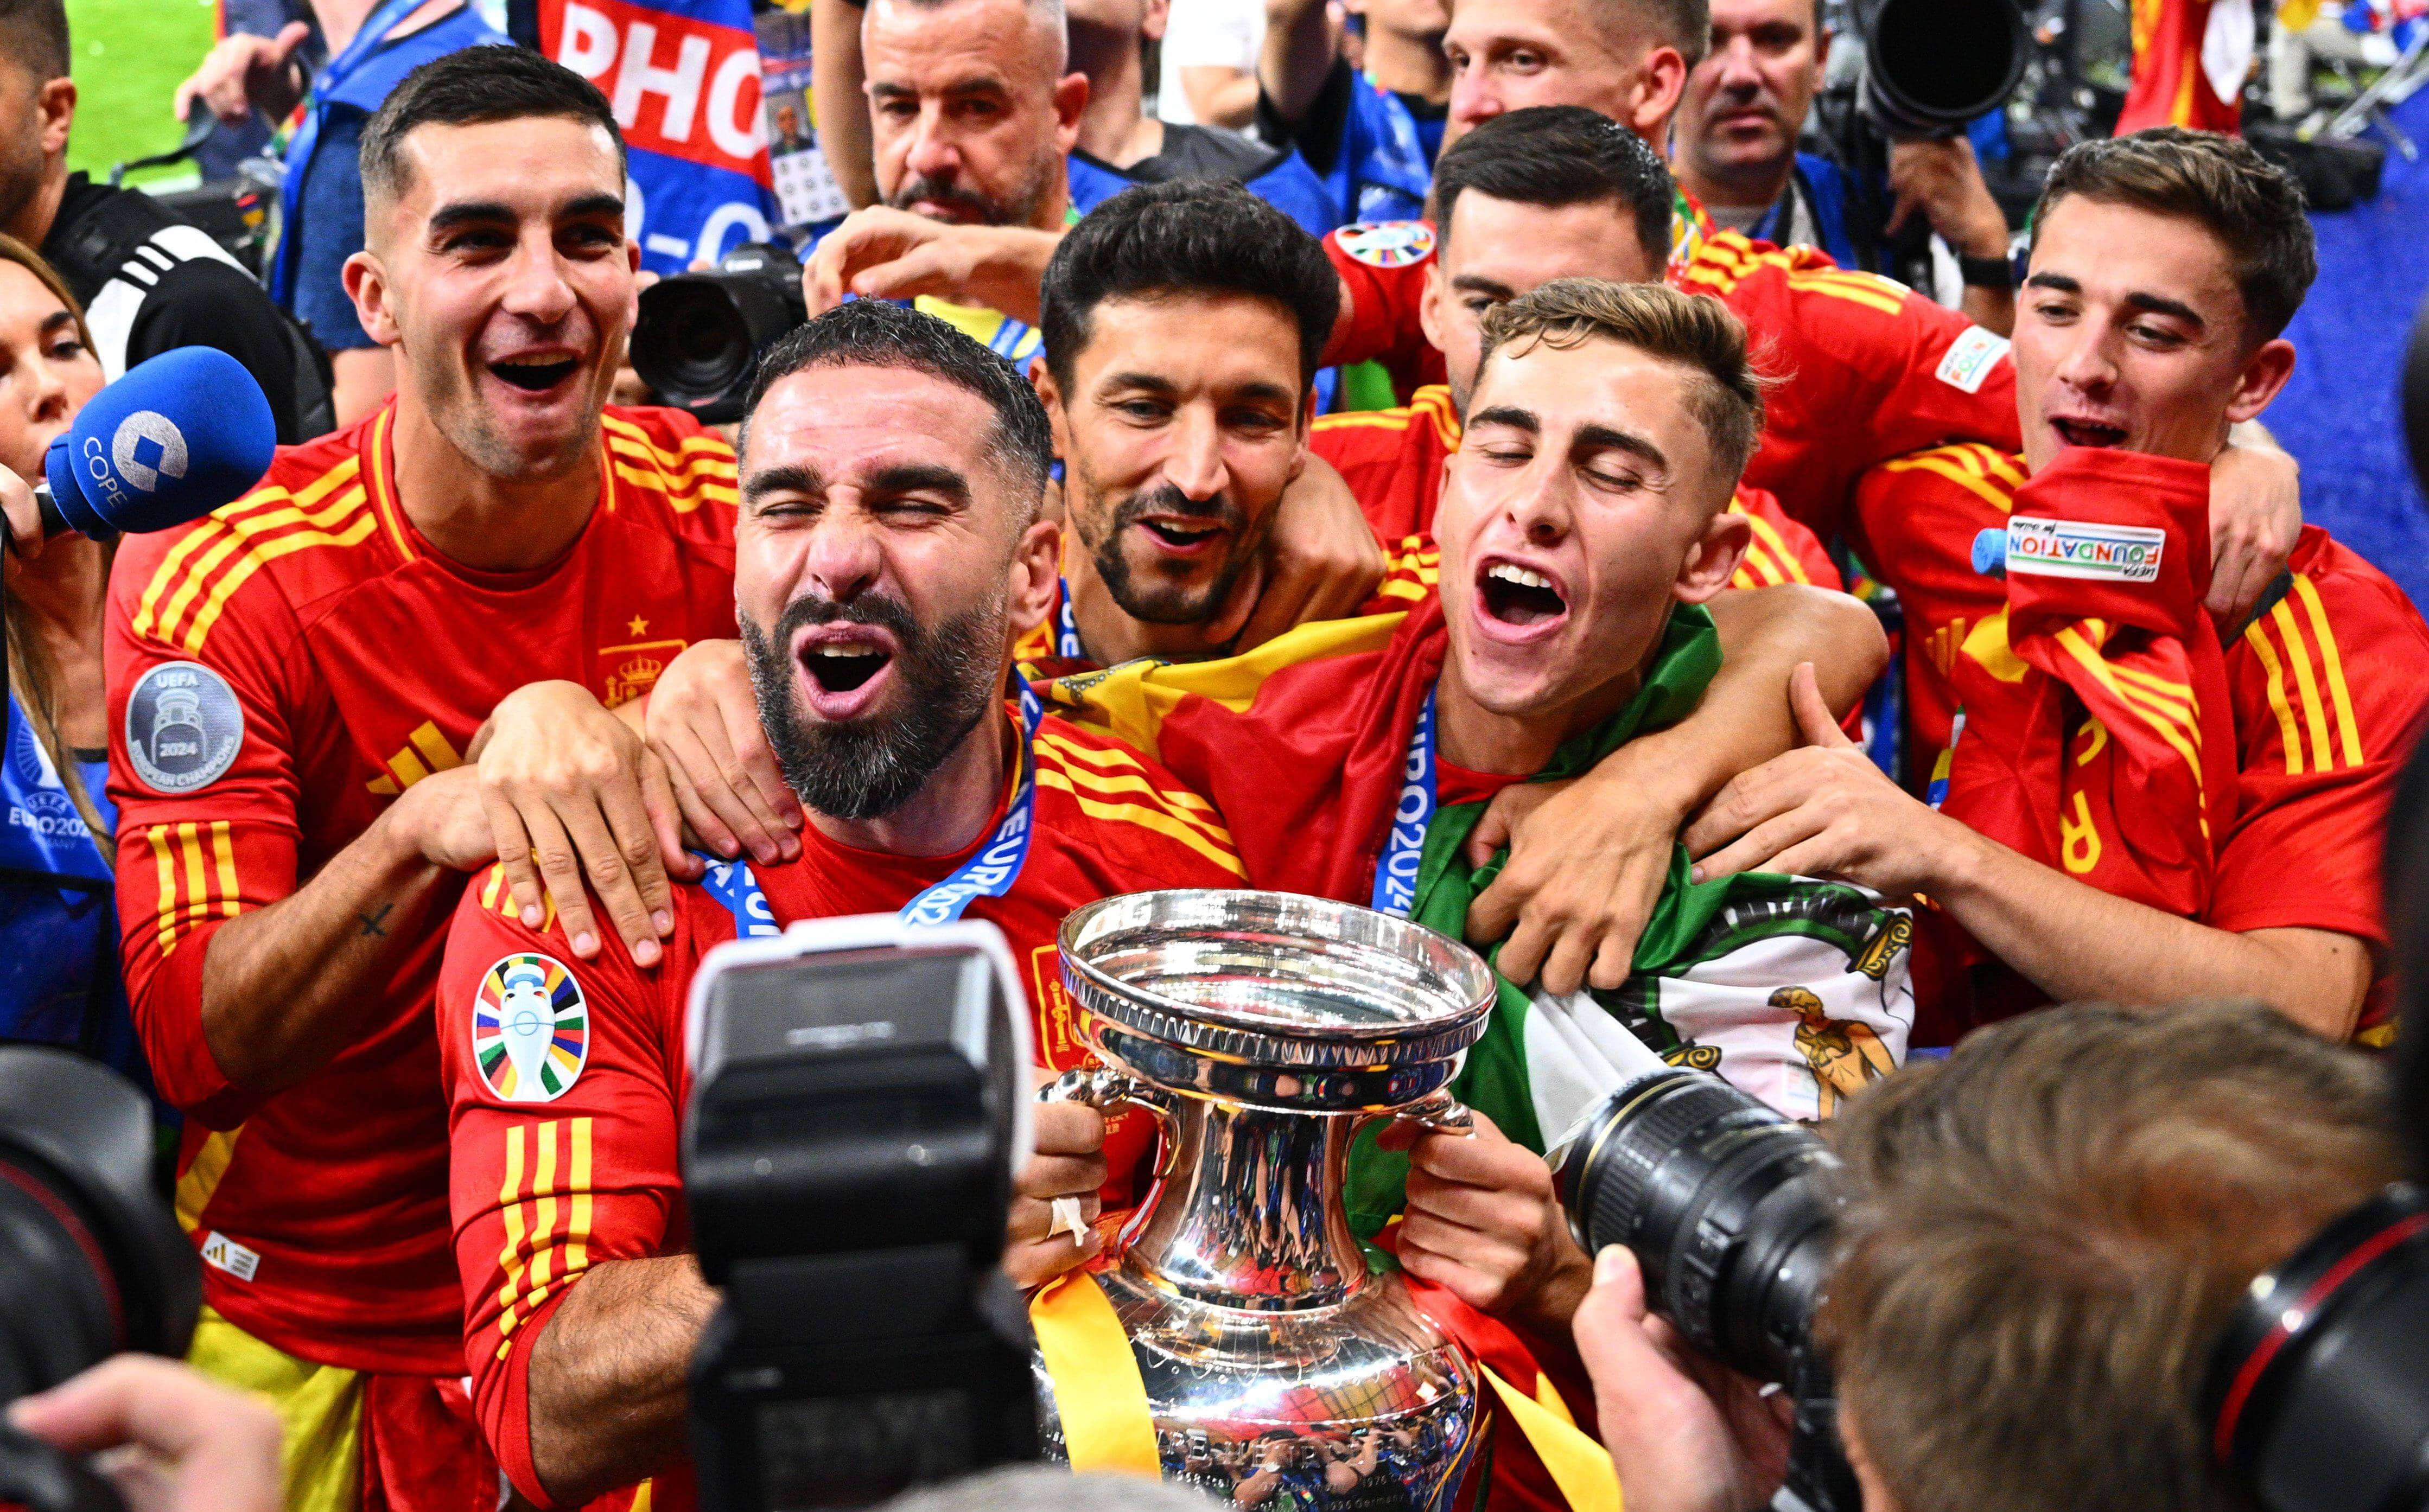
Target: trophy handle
<point>1440,1111</point>
<point>1102,1088</point>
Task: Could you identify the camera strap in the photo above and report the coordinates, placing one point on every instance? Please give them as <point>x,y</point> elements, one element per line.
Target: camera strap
<point>989,872</point>
<point>1404,848</point>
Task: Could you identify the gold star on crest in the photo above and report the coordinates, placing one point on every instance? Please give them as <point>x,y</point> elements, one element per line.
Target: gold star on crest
<point>638,625</point>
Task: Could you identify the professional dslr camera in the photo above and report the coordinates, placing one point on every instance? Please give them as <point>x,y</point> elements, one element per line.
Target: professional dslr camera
<point>91,1264</point>
<point>860,1106</point>
<point>2316,1395</point>
<point>698,336</point>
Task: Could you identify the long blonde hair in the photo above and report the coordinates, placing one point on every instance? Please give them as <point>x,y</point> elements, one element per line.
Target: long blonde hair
<point>31,676</point>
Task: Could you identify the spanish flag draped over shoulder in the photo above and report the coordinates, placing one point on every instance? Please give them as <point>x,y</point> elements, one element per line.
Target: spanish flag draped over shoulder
<point>2099,737</point>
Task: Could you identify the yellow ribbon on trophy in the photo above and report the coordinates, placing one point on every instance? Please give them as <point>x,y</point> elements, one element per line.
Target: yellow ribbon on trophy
<point>1107,1425</point>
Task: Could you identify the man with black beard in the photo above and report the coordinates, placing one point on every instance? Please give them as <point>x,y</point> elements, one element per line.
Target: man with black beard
<point>889,550</point>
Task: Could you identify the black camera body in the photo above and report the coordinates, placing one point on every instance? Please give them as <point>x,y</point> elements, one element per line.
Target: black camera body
<point>859,1107</point>
<point>91,1263</point>
<point>698,336</point>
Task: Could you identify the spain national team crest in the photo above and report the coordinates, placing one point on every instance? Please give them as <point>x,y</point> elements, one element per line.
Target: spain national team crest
<point>1388,243</point>
<point>531,1029</point>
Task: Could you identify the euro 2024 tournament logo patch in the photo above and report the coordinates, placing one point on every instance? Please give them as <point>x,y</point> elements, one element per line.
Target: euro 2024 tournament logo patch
<point>531,1029</point>
<point>1388,243</point>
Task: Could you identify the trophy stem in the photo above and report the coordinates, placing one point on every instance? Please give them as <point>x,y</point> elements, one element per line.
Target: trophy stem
<point>1250,1216</point>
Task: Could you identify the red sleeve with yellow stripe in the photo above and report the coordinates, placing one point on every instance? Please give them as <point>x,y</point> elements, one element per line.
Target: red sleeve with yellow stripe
<point>1869,370</point>
<point>1781,550</point>
<point>208,827</point>
<point>2332,691</point>
<point>565,1096</point>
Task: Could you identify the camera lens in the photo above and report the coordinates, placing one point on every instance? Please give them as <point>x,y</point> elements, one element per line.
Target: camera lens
<point>2315,1392</point>
<point>93,1261</point>
<point>1932,66</point>
<point>699,335</point>
<point>1725,1204</point>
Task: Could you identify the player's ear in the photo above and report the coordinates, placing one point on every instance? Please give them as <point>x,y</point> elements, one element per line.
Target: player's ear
<point>1654,97</point>
<point>1429,314</point>
<point>1036,569</point>
<point>1050,393</point>
<point>1712,561</point>
<point>366,284</point>
<point>2262,379</point>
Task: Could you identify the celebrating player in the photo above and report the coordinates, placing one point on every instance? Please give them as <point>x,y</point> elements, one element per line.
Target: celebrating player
<point>2151,816</point>
<point>889,550</point>
<point>299,687</point>
<point>1582,532</point>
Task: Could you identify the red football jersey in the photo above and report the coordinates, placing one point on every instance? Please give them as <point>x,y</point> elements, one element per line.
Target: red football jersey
<point>278,672</point>
<point>1393,461</point>
<point>1870,370</point>
<point>2330,690</point>
<point>552,1177</point>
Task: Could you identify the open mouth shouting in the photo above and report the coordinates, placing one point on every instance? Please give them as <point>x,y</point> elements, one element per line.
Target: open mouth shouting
<point>2082,430</point>
<point>539,371</point>
<point>1515,602</point>
<point>845,667</point>
<point>1182,536</point>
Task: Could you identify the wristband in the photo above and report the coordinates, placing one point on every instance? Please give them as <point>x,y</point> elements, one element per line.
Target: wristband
<point>1986,272</point>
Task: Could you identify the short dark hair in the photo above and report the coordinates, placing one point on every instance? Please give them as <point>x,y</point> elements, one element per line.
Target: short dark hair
<point>1186,236</point>
<point>867,332</point>
<point>1554,156</point>
<point>2251,205</point>
<point>2049,1229</point>
<point>471,87</point>
<point>34,32</point>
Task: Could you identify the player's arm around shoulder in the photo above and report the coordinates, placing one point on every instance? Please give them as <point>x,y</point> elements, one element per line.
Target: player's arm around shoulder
<point>564,1088</point>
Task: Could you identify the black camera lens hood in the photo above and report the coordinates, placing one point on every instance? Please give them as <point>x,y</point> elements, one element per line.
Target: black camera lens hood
<point>2316,1395</point>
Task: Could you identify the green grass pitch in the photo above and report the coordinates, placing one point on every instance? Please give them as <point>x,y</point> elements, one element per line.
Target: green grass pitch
<point>129,58</point>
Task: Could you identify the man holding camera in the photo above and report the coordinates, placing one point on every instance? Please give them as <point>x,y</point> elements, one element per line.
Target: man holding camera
<point>1745,102</point>
<point>330,701</point>
<point>890,549</point>
<point>2141,802</point>
<point>2013,1322</point>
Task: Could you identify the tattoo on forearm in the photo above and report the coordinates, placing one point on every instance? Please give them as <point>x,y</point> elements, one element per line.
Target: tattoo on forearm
<point>372,921</point>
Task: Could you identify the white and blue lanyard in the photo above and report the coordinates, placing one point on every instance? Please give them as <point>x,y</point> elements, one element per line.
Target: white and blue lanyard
<point>989,872</point>
<point>1404,848</point>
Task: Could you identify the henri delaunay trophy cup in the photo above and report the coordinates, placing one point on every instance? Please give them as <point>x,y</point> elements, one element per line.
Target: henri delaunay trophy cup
<point>1264,1030</point>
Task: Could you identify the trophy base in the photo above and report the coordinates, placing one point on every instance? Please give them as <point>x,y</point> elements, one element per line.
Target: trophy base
<point>1362,1405</point>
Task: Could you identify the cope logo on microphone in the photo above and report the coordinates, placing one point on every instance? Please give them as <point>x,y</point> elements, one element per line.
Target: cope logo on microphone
<point>183,726</point>
<point>168,454</point>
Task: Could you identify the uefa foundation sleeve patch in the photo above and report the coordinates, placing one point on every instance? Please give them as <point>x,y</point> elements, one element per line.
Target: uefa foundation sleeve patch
<point>1969,358</point>
<point>531,1029</point>
<point>1388,243</point>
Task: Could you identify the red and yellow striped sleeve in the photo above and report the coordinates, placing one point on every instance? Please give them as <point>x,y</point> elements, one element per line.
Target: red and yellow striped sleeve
<point>1781,550</point>
<point>2331,686</point>
<point>564,1100</point>
<point>202,734</point>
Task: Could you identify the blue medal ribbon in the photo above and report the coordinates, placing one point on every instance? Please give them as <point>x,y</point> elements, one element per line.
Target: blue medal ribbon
<point>1066,629</point>
<point>1396,872</point>
<point>989,872</point>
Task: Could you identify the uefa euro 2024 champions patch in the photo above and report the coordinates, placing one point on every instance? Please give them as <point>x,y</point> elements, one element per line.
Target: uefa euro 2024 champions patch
<point>531,1028</point>
<point>1388,243</point>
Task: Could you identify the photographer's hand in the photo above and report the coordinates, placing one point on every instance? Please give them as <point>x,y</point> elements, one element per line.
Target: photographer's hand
<point>167,1438</point>
<point>1685,1434</point>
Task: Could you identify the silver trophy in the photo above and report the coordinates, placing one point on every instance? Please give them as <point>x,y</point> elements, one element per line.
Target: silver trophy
<point>1262,1031</point>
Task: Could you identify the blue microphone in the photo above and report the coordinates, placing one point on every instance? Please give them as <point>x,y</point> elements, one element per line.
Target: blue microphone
<point>177,437</point>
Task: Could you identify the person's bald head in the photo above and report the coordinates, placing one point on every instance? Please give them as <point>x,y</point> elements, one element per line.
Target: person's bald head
<point>972,109</point>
